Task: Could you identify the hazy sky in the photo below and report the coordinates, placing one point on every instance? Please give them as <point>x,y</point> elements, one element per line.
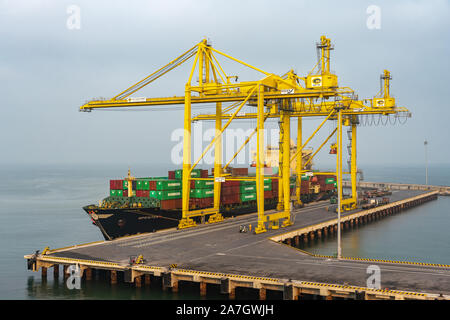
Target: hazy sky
<point>48,70</point>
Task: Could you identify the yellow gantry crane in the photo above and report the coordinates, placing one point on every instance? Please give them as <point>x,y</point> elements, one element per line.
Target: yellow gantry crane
<point>283,97</point>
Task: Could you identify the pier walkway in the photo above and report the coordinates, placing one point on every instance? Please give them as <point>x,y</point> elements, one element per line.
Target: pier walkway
<point>220,254</point>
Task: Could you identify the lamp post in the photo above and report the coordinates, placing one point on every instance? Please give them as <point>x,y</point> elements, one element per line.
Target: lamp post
<point>425,143</point>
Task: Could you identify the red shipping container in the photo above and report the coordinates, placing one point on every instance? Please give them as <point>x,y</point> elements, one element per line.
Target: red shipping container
<point>152,184</point>
<point>230,199</point>
<point>145,193</point>
<point>204,174</point>
<point>207,202</point>
<point>229,183</point>
<point>171,175</point>
<point>116,184</point>
<point>239,171</point>
<point>171,204</point>
<point>268,194</point>
<point>229,190</point>
<point>178,203</point>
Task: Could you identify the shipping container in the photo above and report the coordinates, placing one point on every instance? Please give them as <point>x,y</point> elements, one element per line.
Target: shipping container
<point>247,189</point>
<point>202,193</point>
<point>268,194</point>
<point>202,184</point>
<point>230,198</point>
<point>168,185</point>
<point>195,173</point>
<point>248,197</point>
<point>230,190</point>
<point>168,194</point>
<point>239,171</point>
<point>171,204</point>
<point>229,183</point>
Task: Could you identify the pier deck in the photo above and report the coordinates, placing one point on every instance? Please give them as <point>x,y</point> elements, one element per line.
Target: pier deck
<point>220,254</point>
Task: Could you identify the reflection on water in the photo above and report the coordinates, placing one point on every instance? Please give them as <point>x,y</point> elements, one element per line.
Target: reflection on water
<point>38,288</point>
<point>419,234</point>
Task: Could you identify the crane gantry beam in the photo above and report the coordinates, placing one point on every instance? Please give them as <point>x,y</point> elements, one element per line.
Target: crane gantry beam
<point>283,97</point>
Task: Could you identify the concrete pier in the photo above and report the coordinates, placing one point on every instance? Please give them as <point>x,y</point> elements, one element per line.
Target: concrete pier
<point>221,255</point>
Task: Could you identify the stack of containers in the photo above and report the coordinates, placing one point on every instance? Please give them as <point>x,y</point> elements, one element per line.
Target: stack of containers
<point>247,190</point>
<point>230,192</point>
<point>327,182</point>
<point>116,188</point>
<point>168,192</point>
<point>202,193</point>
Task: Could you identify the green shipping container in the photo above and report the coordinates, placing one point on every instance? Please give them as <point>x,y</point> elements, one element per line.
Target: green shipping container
<point>247,189</point>
<point>125,185</point>
<point>196,173</point>
<point>168,185</point>
<point>202,193</point>
<point>119,193</point>
<point>330,181</point>
<point>113,193</point>
<point>204,184</point>
<point>248,197</point>
<point>168,194</point>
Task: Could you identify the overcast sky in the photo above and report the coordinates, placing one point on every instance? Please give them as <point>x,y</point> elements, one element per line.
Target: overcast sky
<point>48,70</point>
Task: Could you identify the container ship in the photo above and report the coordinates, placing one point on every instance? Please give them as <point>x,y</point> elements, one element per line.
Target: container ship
<point>142,205</point>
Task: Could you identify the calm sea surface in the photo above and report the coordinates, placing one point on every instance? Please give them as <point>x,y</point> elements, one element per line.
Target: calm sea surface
<point>41,206</point>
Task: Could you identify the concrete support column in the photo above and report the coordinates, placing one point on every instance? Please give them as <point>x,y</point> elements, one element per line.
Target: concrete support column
<point>147,279</point>
<point>175,286</point>
<point>319,233</point>
<point>289,241</point>
<point>88,273</point>
<point>297,241</point>
<point>44,273</point>
<point>262,294</point>
<point>203,289</point>
<point>138,281</point>
<point>325,232</point>
<point>232,293</point>
<point>305,238</point>
<point>56,271</point>
<point>65,275</point>
<point>311,235</point>
<point>289,292</point>
<point>113,276</point>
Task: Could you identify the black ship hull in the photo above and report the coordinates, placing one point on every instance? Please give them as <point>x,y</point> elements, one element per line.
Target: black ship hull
<point>119,222</point>
<point>116,223</point>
